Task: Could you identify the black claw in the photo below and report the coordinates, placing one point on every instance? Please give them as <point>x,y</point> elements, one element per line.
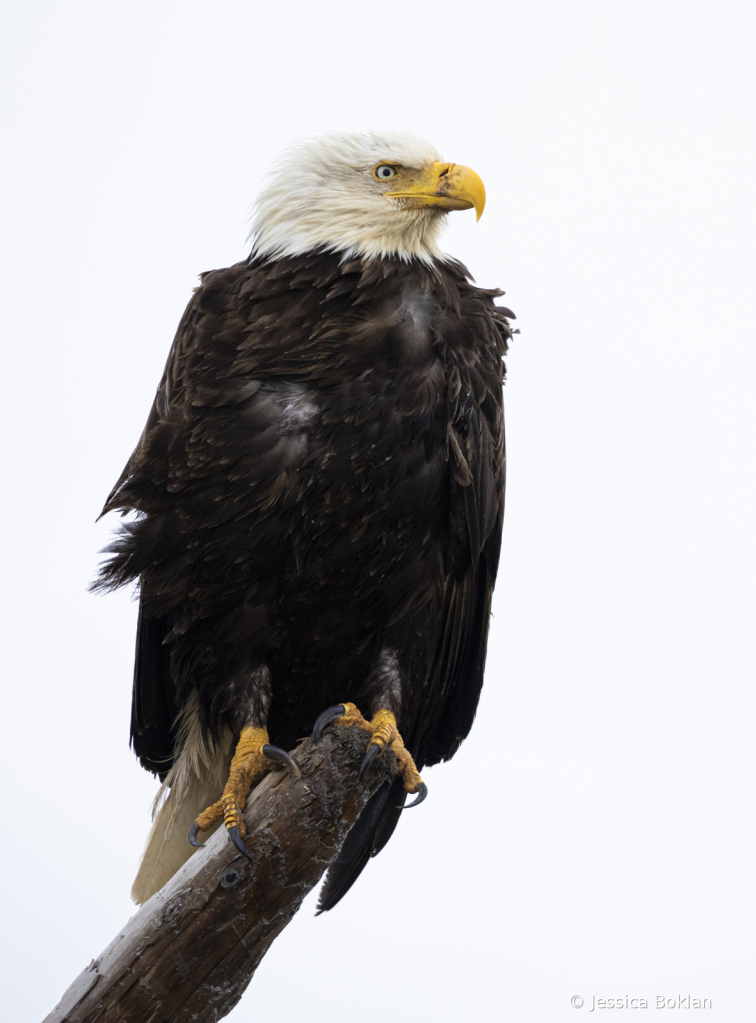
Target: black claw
<point>370,756</point>
<point>422,792</point>
<point>192,836</point>
<point>233,834</point>
<point>275,753</point>
<point>325,718</point>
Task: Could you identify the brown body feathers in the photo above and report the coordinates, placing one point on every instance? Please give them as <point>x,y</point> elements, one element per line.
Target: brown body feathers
<point>319,493</point>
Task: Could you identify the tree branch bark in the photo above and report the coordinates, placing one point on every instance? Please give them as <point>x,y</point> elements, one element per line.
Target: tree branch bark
<point>191,950</point>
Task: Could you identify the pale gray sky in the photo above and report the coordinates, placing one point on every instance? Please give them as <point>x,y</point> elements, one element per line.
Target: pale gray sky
<point>595,834</point>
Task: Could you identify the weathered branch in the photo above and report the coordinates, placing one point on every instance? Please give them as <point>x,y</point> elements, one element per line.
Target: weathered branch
<point>190,952</point>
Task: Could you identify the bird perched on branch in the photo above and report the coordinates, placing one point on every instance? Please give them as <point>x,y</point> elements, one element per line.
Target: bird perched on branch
<point>319,493</point>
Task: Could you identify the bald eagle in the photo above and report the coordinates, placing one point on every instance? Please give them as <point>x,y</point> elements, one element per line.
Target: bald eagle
<point>318,496</point>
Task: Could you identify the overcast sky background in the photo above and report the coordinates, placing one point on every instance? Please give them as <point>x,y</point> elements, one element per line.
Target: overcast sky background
<point>595,834</point>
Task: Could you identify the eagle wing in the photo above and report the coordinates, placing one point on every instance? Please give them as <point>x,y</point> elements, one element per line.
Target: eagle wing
<point>476,452</point>
<point>196,377</point>
<point>477,461</point>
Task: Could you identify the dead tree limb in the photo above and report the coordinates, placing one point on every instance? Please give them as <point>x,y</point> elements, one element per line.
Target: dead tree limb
<point>190,952</point>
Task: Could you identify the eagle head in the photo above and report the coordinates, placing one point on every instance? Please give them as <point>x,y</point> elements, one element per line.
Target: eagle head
<point>361,193</point>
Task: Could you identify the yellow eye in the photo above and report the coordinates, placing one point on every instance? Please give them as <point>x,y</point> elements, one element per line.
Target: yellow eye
<point>384,172</point>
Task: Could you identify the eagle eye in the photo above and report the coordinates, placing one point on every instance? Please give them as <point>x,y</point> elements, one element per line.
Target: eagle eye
<point>384,171</point>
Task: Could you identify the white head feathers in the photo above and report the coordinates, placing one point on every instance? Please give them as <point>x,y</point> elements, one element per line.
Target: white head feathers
<point>322,194</point>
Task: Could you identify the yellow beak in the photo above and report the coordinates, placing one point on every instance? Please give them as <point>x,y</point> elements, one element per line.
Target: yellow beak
<point>448,185</point>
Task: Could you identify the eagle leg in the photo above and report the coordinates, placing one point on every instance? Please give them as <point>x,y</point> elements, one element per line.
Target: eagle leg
<point>383,733</point>
<point>250,762</point>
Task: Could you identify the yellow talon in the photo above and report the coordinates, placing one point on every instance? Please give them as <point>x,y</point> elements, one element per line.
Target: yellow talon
<point>353,717</point>
<point>385,733</point>
<point>211,816</point>
<point>248,766</point>
<point>410,773</point>
<point>384,729</point>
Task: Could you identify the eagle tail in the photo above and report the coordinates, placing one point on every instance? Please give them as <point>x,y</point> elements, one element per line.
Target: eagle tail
<point>194,782</point>
<point>370,833</point>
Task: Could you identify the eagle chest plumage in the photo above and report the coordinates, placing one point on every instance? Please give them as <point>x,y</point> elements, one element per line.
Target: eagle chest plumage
<point>319,497</point>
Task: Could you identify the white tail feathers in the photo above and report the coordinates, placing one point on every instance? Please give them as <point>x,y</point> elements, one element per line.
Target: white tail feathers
<point>194,782</point>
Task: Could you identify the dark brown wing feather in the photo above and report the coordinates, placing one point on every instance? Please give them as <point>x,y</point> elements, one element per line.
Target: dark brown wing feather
<point>153,703</point>
<point>476,424</point>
